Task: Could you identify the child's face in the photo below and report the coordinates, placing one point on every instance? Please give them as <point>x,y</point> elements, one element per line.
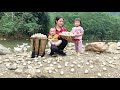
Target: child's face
<point>77,23</point>
<point>52,32</point>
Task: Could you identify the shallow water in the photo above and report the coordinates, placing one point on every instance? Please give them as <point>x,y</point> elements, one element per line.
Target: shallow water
<point>13,43</point>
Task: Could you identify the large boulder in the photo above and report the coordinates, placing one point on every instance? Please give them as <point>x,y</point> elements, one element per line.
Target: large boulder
<point>4,50</point>
<point>96,47</point>
<point>112,47</point>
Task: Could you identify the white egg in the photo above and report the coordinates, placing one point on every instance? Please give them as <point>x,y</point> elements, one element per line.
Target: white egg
<point>86,71</point>
<point>74,62</point>
<point>110,58</point>
<point>54,63</point>
<point>38,71</point>
<point>99,74</point>
<point>97,57</point>
<point>82,61</point>
<point>29,62</point>
<point>50,71</point>
<point>59,66</point>
<point>24,64</point>
<point>0,62</point>
<point>39,62</point>
<point>29,66</point>
<point>44,60</point>
<point>51,65</point>
<point>91,61</point>
<point>87,63</point>
<point>78,65</point>
<point>72,65</point>
<point>72,70</point>
<point>48,61</point>
<point>61,72</point>
<point>66,64</point>
<point>41,65</point>
<point>104,68</point>
<point>91,66</point>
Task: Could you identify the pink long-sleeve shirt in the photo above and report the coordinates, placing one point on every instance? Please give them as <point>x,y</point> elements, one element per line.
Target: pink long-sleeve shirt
<point>78,31</point>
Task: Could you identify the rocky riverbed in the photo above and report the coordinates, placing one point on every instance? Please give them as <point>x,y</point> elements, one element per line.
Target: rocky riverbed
<point>86,65</point>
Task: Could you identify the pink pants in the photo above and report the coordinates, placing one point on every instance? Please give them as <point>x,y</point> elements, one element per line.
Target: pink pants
<point>78,45</point>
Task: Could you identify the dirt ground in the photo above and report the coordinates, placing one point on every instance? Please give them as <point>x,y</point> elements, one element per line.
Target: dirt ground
<point>86,65</point>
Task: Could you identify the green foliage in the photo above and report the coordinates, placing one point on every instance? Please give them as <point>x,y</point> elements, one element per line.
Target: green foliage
<point>23,23</point>
<point>97,25</point>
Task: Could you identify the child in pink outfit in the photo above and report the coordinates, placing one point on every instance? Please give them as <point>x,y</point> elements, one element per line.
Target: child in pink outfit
<point>78,32</point>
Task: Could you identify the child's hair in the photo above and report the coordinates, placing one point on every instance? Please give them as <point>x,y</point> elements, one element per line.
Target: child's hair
<point>78,19</point>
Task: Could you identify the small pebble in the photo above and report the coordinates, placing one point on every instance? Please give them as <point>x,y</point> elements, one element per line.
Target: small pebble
<point>6,60</point>
<point>115,58</point>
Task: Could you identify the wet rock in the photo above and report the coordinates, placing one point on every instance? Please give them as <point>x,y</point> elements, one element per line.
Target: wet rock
<point>4,50</point>
<point>12,67</point>
<point>19,70</point>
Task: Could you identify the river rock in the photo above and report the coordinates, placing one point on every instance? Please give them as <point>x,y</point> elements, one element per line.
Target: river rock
<point>96,47</point>
<point>4,50</point>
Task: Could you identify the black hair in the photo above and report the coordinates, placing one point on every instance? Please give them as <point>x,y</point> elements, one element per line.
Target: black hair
<point>57,18</point>
<point>78,19</point>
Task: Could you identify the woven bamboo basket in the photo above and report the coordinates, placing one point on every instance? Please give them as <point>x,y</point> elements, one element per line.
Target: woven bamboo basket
<point>41,49</point>
<point>68,38</point>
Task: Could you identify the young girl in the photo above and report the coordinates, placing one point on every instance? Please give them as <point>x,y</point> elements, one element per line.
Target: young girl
<point>78,32</point>
<point>53,38</point>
